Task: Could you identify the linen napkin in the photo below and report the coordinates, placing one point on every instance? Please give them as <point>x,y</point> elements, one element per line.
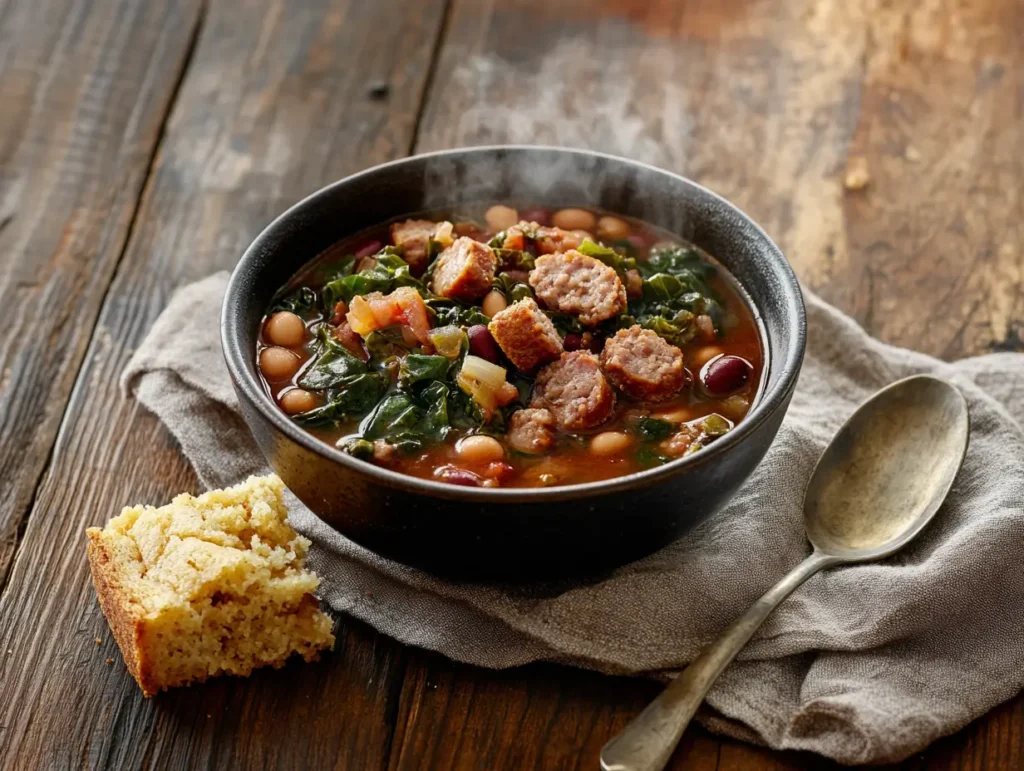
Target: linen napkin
<point>863,664</point>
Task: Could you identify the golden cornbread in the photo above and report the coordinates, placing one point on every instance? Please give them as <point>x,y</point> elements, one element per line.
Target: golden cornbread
<point>207,585</point>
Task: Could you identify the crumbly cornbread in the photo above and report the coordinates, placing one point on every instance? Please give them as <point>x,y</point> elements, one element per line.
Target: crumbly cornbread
<point>207,585</point>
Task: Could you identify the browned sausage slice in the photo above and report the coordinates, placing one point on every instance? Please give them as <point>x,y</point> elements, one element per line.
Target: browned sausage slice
<point>526,335</point>
<point>464,270</point>
<point>575,391</point>
<point>643,365</point>
<point>575,283</point>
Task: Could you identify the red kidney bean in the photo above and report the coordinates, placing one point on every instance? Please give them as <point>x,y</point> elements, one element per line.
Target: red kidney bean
<point>540,216</point>
<point>454,475</point>
<point>572,342</point>
<point>593,343</point>
<point>724,374</point>
<point>482,344</point>
<point>371,248</point>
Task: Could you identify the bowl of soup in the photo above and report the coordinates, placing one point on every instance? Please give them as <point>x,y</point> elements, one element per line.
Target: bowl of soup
<point>513,361</point>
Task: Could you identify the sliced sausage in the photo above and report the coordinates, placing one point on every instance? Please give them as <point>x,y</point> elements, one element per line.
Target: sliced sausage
<point>532,430</point>
<point>575,391</point>
<point>577,284</point>
<point>464,270</point>
<point>412,236</point>
<point>643,365</point>
<point>526,335</point>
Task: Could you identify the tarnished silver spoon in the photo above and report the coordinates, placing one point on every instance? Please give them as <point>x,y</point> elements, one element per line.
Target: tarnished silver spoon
<point>877,484</point>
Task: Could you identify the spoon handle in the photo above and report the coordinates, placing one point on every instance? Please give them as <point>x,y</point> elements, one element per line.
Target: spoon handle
<point>647,743</point>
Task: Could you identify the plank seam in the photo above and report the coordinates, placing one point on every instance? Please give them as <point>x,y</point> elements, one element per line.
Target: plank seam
<point>428,83</point>
<point>172,100</point>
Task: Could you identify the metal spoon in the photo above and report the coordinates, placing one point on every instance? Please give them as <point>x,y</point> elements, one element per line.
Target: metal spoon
<point>877,484</point>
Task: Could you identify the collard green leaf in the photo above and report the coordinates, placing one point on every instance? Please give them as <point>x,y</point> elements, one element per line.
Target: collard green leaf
<point>608,256</point>
<point>385,344</point>
<point>654,428</point>
<point>353,397</point>
<point>514,259</point>
<point>396,413</point>
<point>513,290</point>
<point>449,312</point>
<point>333,366</point>
<point>389,271</point>
<point>419,367</point>
<point>300,301</point>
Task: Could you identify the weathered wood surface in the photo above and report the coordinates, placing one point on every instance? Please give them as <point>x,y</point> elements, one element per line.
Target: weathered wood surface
<point>766,102</point>
<point>84,90</point>
<point>275,104</point>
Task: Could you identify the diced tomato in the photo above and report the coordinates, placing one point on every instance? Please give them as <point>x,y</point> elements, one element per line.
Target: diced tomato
<point>376,311</point>
<point>514,238</point>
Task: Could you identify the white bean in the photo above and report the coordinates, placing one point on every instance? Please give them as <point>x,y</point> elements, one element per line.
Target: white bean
<point>278,363</point>
<point>297,400</point>
<point>494,302</point>
<point>612,228</point>
<point>609,443</point>
<point>500,217</point>
<point>285,328</point>
<point>574,219</point>
<point>480,449</point>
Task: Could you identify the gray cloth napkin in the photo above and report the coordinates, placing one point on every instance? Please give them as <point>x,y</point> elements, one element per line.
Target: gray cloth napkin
<point>863,664</point>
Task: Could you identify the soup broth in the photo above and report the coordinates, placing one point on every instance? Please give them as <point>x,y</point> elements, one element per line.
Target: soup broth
<point>513,347</point>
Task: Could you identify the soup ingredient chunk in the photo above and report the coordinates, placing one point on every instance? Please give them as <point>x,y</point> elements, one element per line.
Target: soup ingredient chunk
<point>576,391</point>
<point>642,365</point>
<point>413,237</point>
<point>285,328</point>
<point>464,270</point>
<point>583,286</point>
<point>279,363</point>
<point>724,374</point>
<point>526,335</point>
<point>207,585</point>
<point>532,430</point>
<point>574,219</point>
<point>552,240</point>
<point>376,311</point>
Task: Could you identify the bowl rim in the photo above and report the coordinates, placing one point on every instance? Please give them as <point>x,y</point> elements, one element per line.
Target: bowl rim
<point>771,399</point>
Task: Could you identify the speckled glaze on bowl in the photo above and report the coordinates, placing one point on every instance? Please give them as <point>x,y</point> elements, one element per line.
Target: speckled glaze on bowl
<point>515,534</point>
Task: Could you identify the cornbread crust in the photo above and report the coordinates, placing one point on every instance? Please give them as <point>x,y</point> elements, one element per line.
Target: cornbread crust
<point>207,585</point>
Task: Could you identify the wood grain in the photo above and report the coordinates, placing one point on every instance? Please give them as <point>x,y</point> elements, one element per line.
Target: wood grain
<point>770,104</point>
<point>85,87</point>
<point>275,104</point>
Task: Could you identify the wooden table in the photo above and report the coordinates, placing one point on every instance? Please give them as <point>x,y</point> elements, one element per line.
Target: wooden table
<point>143,143</point>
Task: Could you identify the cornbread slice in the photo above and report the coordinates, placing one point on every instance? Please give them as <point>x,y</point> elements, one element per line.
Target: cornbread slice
<point>207,585</point>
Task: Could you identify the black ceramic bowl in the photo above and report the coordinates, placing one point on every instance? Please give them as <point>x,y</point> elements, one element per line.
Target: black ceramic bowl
<point>514,533</point>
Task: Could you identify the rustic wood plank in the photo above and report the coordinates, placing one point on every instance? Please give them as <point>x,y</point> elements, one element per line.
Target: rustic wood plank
<point>455,716</point>
<point>770,104</point>
<point>275,104</point>
<point>85,87</point>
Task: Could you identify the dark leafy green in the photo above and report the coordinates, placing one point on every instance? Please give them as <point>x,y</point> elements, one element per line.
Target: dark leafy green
<point>353,397</point>
<point>332,366</point>
<point>654,428</point>
<point>608,256</point>
<point>449,312</point>
<point>389,272</point>
<point>514,259</point>
<point>419,367</point>
<point>300,301</point>
<point>512,289</point>
<point>409,421</point>
<point>385,345</point>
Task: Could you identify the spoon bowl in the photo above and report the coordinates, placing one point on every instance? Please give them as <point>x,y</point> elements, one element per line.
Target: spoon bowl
<point>887,471</point>
<point>878,483</point>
